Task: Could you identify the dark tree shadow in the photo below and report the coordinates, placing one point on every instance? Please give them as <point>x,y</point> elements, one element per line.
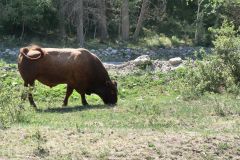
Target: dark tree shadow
<point>68,109</point>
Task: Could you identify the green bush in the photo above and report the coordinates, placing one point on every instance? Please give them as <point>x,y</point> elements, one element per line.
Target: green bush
<point>10,110</point>
<point>11,106</point>
<point>162,41</point>
<point>209,75</point>
<point>218,72</point>
<point>227,46</point>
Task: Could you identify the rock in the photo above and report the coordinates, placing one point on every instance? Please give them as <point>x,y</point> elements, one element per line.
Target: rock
<point>128,50</point>
<point>175,61</point>
<point>144,59</point>
<point>114,51</point>
<point>92,50</point>
<point>7,50</point>
<point>109,49</point>
<point>105,53</point>
<point>12,53</point>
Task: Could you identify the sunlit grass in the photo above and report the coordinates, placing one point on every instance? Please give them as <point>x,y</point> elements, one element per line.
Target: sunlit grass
<point>149,103</point>
<point>146,100</point>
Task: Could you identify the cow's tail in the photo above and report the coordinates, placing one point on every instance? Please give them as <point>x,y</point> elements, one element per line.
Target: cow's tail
<point>24,51</point>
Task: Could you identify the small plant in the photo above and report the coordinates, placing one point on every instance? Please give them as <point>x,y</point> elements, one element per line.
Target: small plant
<point>219,109</point>
<point>104,154</point>
<point>40,150</point>
<point>151,145</point>
<point>223,146</point>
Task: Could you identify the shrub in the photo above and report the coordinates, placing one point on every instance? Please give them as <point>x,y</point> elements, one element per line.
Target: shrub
<point>227,47</point>
<point>158,40</point>
<point>176,41</point>
<point>209,75</point>
<point>218,72</point>
<point>9,109</point>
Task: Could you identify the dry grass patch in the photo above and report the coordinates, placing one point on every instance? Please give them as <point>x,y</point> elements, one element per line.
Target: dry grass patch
<point>48,143</point>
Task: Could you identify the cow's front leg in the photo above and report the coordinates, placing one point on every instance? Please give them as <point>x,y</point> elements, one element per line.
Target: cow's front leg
<point>68,94</point>
<point>30,97</point>
<point>84,101</point>
<point>24,94</point>
<point>29,87</point>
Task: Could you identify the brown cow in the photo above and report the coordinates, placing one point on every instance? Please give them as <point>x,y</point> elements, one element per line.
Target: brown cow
<point>78,68</point>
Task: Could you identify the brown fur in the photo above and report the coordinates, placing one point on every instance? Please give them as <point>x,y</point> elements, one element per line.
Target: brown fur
<point>78,68</point>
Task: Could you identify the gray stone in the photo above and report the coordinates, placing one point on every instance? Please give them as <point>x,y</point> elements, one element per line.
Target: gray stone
<point>175,61</point>
<point>12,53</point>
<point>7,50</point>
<point>128,50</point>
<point>114,51</point>
<point>109,49</point>
<point>144,59</point>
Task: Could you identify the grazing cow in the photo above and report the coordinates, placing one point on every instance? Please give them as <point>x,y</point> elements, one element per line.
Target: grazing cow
<point>78,68</point>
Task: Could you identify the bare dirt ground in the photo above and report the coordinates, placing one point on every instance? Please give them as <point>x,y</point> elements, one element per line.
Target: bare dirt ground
<point>46,143</point>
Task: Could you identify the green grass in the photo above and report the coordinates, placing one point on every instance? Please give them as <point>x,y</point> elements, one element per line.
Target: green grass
<point>148,102</point>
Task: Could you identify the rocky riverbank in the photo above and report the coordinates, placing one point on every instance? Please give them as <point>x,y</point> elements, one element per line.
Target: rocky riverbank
<point>126,54</point>
<point>127,60</point>
<point>144,62</point>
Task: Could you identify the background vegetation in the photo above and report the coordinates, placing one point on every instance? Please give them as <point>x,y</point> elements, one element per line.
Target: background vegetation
<point>217,73</point>
<point>78,22</point>
<point>190,112</point>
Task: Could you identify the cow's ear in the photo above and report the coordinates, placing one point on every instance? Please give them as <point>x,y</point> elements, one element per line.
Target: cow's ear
<point>24,50</point>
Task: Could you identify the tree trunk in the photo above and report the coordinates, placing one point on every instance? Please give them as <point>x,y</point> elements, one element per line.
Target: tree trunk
<point>23,26</point>
<point>22,33</point>
<point>125,20</point>
<point>61,21</point>
<point>198,22</point>
<point>80,34</point>
<point>102,20</point>
<point>141,18</point>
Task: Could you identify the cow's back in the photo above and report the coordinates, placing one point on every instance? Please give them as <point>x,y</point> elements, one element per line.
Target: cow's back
<point>76,67</point>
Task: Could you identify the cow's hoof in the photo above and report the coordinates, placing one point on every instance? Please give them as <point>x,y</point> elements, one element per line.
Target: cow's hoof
<point>34,105</point>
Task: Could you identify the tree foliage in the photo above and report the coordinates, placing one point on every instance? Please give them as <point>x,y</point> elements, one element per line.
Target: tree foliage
<point>185,19</point>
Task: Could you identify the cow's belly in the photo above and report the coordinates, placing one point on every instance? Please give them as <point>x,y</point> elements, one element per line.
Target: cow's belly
<point>51,81</point>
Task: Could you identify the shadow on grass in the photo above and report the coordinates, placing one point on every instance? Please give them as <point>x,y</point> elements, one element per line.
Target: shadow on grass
<point>73,109</point>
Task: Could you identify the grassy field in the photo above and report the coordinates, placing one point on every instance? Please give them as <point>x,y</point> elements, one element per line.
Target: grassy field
<point>150,121</point>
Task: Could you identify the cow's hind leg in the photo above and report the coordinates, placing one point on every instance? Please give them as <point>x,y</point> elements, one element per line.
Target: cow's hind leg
<point>68,94</point>
<point>84,101</point>
<point>82,93</point>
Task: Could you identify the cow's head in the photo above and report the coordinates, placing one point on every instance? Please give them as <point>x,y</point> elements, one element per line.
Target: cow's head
<point>109,92</point>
